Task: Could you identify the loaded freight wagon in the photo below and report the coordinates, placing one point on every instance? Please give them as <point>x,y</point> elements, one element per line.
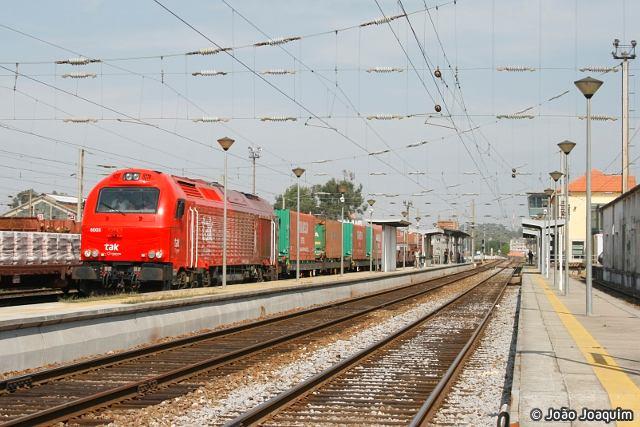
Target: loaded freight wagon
<point>287,242</point>
<point>37,258</point>
<point>374,251</point>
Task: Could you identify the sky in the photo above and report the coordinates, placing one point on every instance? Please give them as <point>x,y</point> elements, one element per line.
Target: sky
<point>143,99</point>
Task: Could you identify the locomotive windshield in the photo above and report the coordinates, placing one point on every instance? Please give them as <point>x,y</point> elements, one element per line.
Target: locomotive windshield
<point>128,200</point>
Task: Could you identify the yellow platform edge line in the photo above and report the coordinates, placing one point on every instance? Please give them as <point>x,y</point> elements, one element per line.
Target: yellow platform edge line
<point>622,391</point>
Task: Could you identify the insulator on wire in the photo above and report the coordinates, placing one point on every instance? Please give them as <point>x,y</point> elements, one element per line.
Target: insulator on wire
<point>599,69</point>
<point>210,51</point>
<point>382,20</point>
<point>278,119</point>
<point>79,75</point>
<point>209,73</point>
<point>599,118</point>
<point>78,61</point>
<point>207,119</point>
<point>80,120</point>
<point>516,68</point>
<point>278,41</point>
<point>515,116</point>
<point>277,72</point>
<point>385,70</point>
<point>385,117</point>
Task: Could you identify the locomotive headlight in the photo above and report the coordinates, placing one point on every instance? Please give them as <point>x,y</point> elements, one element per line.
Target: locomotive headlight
<point>135,176</point>
<point>159,254</point>
<point>87,253</point>
<point>95,253</point>
<point>128,176</point>
<point>152,254</point>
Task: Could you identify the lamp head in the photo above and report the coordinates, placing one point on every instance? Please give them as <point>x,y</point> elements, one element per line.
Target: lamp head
<point>556,175</point>
<point>371,202</point>
<point>342,188</point>
<point>226,143</point>
<point>566,146</point>
<point>588,86</point>
<point>298,172</point>
<point>548,191</point>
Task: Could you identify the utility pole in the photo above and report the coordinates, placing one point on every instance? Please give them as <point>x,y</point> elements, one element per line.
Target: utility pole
<point>80,184</point>
<point>254,154</point>
<point>625,52</point>
<point>473,228</point>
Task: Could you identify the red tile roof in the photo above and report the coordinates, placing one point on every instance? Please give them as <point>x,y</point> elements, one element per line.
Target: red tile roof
<point>600,182</point>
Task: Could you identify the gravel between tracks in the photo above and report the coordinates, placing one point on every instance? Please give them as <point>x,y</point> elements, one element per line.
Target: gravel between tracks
<point>477,394</point>
<point>224,398</point>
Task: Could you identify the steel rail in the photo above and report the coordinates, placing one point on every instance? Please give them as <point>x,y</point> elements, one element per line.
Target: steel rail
<point>134,389</point>
<point>40,377</point>
<point>269,408</point>
<point>428,408</point>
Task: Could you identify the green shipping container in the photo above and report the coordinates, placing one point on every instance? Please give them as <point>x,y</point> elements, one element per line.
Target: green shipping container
<point>368,240</point>
<point>347,244</point>
<point>283,232</point>
<point>321,241</point>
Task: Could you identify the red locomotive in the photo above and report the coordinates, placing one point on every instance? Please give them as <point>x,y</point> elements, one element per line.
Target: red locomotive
<point>147,229</point>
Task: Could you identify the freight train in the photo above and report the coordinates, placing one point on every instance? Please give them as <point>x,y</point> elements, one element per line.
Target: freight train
<point>147,230</point>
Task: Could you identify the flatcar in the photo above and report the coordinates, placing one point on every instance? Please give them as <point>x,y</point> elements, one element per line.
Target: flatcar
<point>144,229</point>
<point>37,253</point>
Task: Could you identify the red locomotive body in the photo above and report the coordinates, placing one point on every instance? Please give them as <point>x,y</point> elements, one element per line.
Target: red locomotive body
<point>143,228</point>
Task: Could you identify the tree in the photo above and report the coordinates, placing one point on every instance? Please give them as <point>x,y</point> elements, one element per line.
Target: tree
<point>307,200</point>
<point>23,197</point>
<point>323,200</point>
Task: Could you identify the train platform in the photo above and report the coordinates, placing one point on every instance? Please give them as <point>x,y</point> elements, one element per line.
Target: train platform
<point>39,334</point>
<point>565,359</point>
<point>37,313</point>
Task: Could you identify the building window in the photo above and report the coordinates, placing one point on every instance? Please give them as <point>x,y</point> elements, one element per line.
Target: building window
<point>577,249</point>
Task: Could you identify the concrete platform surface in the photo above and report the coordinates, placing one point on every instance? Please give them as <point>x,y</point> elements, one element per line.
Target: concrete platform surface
<point>565,359</point>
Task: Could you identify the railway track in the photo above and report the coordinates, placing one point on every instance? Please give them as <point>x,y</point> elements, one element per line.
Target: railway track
<point>152,374</point>
<point>399,380</point>
<point>28,296</point>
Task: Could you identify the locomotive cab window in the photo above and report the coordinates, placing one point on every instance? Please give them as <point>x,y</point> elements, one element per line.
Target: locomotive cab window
<point>128,200</point>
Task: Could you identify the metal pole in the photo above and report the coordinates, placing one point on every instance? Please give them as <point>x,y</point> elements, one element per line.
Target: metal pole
<point>254,176</point>
<point>560,246</point>
<point>80,185</point>
<point>555,232</point>
<point>404,252</point>
<point>298,234</point>
<point>372,242</point>
<point>545,243</point>
<point>473,229</point>
<point>342,240</point>
<point>566,224</point>
<point>224,226</point>
<point>588,227</point>
<point>625,125</point>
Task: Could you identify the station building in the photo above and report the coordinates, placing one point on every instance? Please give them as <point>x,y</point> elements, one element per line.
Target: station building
<point>604,189</point>
<point>46,206</point>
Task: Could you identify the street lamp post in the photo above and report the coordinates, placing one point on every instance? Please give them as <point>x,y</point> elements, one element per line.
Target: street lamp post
<point>373,243</point>
<point>588,86</point>
<point>298,173</point>
<point>342,189</point>
<point>225,144</point>
<point>555,175</point>
<point>419,254</point>
<point>405,214</point>
<point>566,147</point>
<point>547,212</point>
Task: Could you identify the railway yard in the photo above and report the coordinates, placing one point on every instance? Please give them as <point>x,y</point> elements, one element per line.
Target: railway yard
<point>440,351</point>
<point>298,213</point>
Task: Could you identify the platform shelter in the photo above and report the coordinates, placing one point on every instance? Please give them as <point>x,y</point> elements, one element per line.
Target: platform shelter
<point>389,243</point>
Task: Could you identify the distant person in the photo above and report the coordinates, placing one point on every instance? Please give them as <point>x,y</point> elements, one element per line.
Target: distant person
<point>530,255</point>
<point>446,256</point>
